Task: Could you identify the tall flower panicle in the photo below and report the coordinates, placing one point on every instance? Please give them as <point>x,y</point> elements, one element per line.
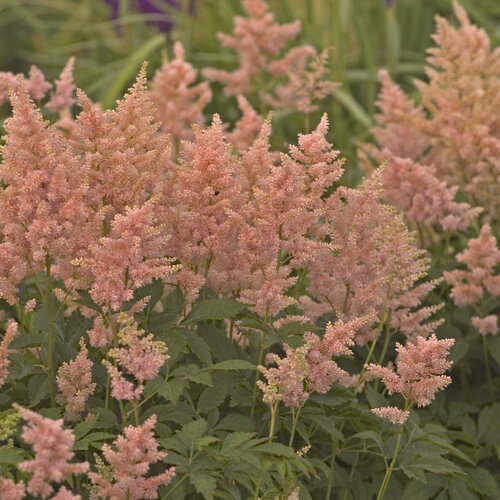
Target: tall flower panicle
<point>131,256</point>
<point>310,367</point>
<point>10,490</point>
<point>10,333</point>
<point>42,203</point>
<point>63,97</point>
<point>255,39</point>
<point>178,100</point>
<point>455,129</point>
<point>422,196</point>
<point>374,257</point>
<point>53,451</point>
<point>138,355</point>
<point>481,257</point>
<point>36,84</point>
<point>306,86</point>
<point>420,368</point>
<point>131,460</point>
<point>74,380</point>
<point>246,128</point>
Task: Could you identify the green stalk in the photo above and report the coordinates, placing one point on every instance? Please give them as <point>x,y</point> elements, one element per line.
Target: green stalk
<point>295,419</point>
<point>487,363</point>
<point>383,319</point>
<point>332,467</point>
<point>274,409</point>
<point>259,362</point>
<point>51,343</point>
<point>176,485</point>
<point>390,469</point>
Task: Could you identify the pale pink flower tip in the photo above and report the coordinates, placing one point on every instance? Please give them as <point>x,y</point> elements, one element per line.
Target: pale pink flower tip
<point>486,325</point>
<point>393,414</point>
<point>135,452</point>
<point>53,450</point>
<point>74,380</point>
<point>10,333</point>
<point>65,494</point>
<point>9,490</point>
<point>63,97</point>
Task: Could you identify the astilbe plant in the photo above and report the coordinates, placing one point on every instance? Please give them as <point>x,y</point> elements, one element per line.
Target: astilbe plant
<point>153,273</point>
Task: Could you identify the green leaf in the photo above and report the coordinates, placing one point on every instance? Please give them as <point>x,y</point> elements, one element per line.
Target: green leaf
<point>84,428</point>
<point>414,472</point>
<point>231,364</point>
<point>198,346</point>
<point>213,397</point>
<point>235,440</point>
<point>481,481</point>
<point>10,456</point>
<point>437,465</point>
<point>27,340</point>
<point>87,301</point>
<point>214,309</point>
<point>204,483</point>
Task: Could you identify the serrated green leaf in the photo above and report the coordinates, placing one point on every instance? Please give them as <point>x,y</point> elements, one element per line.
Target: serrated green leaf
<point>198,346</point>
<point>214,309</point>
<point>10,456</point>
<point>204,483</point>
<point>27,340</point>
<point>83,428</point>
<point>231,364</point>
<point>414,472</point>
<point>235,440</point>
<point>481,481</point>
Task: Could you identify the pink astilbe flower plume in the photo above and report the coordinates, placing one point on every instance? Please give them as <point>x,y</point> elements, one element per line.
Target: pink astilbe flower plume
<point>10,333</point>
<point>10,490</point>
<point>374,258</point>
<point>130,257</point>
<point>74,380</point>
<point>393,414</point>
<point>481,257</point>
<point>36,84</point>
<point>179,102</point>
<point>456,129</point>
<point>53,451</point>
<point>306,84</point>
<point>138,355</point>
<point>420,368</point>
<point>65,494</point>
<point>63,97</point>
<point>42,203</point>
<point>422,196</point>
<point>255,39</point>
<point>247,128</point>
<point>135,451</point>
<point>310,367</point>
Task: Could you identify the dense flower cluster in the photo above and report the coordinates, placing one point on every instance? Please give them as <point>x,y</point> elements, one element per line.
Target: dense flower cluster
<point>420,368</point>
<point>53,451</point>
<point>135,451</point>
<point>455,129</point>
<point>74,380</point>
<point>310,367</point>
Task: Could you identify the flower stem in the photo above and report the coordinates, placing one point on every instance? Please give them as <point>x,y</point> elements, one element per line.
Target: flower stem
<point>332,467</point>
<point>51,346</point>
<point>388,472</point>
<point>487,364</point>
<point>274,409</point>
<point>295,419</point>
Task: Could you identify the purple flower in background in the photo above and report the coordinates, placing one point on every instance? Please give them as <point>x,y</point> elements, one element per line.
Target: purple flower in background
<point>389,3</point>
<point>151,7</point>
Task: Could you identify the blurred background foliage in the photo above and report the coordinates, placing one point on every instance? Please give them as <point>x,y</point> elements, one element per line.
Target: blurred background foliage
<point>111,43</point>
